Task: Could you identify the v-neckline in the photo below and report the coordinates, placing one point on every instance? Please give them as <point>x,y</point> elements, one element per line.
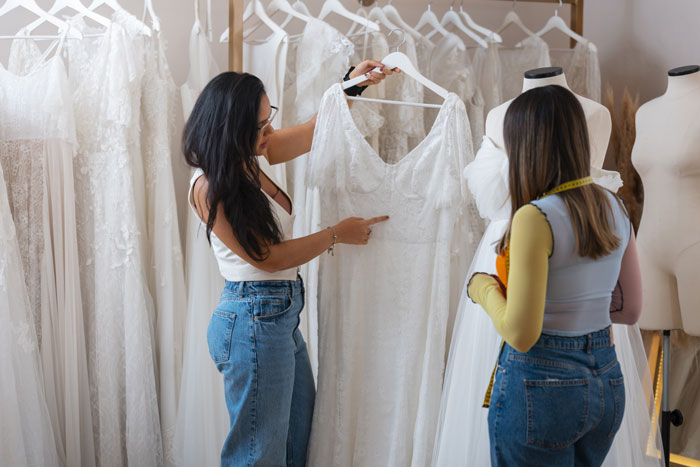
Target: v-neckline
<point>372,151</point>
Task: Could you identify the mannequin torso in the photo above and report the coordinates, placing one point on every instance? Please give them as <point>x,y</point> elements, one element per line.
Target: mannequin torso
<point>667,156</point>
<point>597,117</point>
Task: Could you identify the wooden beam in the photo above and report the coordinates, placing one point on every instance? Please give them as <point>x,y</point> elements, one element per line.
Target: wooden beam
<point>235,35</point>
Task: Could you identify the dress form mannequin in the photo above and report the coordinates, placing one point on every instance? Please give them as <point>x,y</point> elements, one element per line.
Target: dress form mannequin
<point>666,154</point>
<point>597,115</point>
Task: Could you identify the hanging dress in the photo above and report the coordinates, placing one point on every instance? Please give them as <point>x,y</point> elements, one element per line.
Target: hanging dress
<point>110,202</point>
<point>462,436</point>
<point>27,438</point>
<point>37,148</point>
<point>202,416</point>
<point>267,60</point>
<point>383,307</point>
<point>487,67</point>
<point>581,67</point>
<point>28,138</point>
<point>452,69</point>
<point>322,58</point>
<point>533,53</point>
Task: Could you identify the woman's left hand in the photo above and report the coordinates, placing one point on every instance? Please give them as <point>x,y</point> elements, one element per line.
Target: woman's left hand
<point>373,77</point>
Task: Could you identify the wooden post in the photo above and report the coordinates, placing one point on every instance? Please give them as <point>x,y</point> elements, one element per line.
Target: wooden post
<point>235,35</point>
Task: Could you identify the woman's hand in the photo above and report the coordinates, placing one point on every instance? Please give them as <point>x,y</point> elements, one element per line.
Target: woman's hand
<point>373,77</point>
<point>356,230</point>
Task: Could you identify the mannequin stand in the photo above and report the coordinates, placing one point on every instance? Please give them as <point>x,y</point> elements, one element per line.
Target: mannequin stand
<point>667,416</point>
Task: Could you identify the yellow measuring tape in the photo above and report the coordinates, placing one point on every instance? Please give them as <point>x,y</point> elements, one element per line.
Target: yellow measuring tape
<point>506,253</point>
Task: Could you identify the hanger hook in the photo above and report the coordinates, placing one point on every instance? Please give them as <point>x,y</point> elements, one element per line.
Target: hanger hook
<point>556,9</point>
<point>513,7</point>
<point>403,37</point>
<point>429,3</point>
<point>452,5</point>
<point>461,5</point>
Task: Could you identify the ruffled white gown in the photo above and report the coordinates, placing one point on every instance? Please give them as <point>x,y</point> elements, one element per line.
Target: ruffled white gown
<point>384,307</point>
<point>202,416</point>
<point>462,436</point>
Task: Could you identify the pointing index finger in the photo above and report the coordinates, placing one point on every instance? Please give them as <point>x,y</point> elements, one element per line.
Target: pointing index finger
<point>376,220</point>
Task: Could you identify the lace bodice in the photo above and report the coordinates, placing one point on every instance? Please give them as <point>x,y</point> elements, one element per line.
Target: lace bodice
<point>582,69</point>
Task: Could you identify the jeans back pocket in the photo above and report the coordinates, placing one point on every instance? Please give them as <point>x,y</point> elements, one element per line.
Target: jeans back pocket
<point>557,411</point>
<point>219,335</point>
<point>618,391</point>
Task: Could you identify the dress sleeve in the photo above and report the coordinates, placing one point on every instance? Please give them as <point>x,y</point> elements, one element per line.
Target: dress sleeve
<point>518,319</point>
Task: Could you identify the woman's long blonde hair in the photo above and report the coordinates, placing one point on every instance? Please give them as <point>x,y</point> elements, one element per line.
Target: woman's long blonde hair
<point>546,138</point>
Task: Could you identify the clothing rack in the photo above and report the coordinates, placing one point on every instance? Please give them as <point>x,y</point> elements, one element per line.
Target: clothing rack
<point>576,21</point>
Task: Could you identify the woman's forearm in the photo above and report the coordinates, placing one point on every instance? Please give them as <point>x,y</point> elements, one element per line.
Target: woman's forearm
<point>289,143</point>
<point>292,253</point>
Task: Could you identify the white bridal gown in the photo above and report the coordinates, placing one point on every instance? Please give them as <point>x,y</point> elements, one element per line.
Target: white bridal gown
<point>384,307</point>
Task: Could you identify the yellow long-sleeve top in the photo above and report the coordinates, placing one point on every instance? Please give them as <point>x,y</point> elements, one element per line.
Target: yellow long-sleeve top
<point>519,319</point>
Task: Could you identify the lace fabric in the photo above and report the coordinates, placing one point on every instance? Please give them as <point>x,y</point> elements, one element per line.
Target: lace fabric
<point>166,280</point>
<point>107,73</point>
<point>582,69</point>
<point>384,332</point>
<point>487,67</point>
<point>323,55</point>
<point>533,53</point>
<point>37,145</point>
<point>452,69</point>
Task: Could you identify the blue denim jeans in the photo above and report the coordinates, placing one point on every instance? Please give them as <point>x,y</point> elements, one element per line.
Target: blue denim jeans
<point>559,404</point>
<point>255,342</point>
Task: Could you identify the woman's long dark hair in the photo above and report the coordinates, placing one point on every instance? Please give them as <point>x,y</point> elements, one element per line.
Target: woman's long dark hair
<point>220,137</point>
<point>546,138</point>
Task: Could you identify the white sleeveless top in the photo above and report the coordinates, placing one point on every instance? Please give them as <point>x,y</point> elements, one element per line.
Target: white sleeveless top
<point>232,267</point>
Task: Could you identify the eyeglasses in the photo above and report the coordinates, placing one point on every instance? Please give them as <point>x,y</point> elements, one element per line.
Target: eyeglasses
<point>265,123</point>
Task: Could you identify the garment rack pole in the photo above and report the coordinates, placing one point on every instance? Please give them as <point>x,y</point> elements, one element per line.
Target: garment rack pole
<point>576,22</point>
<point>235,38</point>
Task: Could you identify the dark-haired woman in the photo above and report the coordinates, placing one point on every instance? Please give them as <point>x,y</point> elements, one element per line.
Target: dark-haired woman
<point>253,334</point>
<point>558,396</point>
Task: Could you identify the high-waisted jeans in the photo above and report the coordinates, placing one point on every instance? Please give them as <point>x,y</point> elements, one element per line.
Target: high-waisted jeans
<point>559,404</point>
<point>255,342</point>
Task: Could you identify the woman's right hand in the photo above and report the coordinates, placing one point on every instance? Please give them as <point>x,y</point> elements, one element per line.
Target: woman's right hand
<point>356,230</point>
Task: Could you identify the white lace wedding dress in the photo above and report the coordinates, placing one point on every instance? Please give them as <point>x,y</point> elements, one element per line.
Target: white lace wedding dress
<point>106,73</point>
<point>384,307</point>
<point>322,58</point>
<point>581,67</point>
<point>27,438</point>
<point>487,67</point>
<point>202,416</point>
<point>462,436</point>
<point>37,147</point>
